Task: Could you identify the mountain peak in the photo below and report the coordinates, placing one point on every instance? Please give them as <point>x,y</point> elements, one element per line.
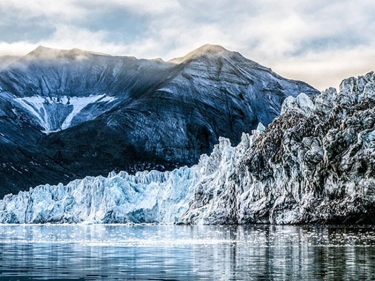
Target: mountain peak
<point>39,51</point>
<point>50,53</point>
<point>212,49</point>
<point>42,49</point>
<point>205,50</point>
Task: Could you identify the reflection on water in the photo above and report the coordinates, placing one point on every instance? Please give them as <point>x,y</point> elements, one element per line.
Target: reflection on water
<point>167,252</point>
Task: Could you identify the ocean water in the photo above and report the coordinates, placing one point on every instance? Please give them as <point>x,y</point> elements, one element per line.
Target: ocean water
<point>172,252</point>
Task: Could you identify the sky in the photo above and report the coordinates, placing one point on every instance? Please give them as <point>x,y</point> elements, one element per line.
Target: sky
<point>320,42</point>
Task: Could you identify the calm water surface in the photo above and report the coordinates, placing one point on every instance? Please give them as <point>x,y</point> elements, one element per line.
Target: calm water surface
<point>166,252</point>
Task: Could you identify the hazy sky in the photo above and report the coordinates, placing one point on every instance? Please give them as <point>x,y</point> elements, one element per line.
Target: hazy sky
<point>320,41</point>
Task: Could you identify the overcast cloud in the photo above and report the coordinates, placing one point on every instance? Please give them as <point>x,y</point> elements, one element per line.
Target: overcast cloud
<point>320,42</point>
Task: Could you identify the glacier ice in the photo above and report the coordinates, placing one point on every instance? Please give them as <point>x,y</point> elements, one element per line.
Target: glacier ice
<point>313,164</point>
<point>119,198</point>
<point>146,197</point>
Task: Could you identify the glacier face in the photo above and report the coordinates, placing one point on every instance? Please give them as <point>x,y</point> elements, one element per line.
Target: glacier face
<point>146,197</point>
<point>313,164</point>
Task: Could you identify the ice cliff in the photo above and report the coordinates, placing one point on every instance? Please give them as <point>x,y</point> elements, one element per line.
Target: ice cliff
<point>119,198</point>
<point>146,197</point>
<point>313,164</point>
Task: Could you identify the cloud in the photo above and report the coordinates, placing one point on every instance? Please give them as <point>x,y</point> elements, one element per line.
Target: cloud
<point>16,48</point>
<point>327,69</point>
<point>315,41</point>
<point>136,6</point>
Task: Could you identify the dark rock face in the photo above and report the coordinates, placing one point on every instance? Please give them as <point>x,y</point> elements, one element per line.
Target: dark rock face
<point>68,114</point>
<point>313,164</point>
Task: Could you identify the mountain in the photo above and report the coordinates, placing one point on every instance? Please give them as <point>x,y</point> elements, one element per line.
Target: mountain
<point>313,164</point>
<point>66,114</point>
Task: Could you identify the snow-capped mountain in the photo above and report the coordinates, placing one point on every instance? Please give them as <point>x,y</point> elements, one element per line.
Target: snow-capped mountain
<point>313,164</point>
<point>57,89</point>
<point>66,114</point>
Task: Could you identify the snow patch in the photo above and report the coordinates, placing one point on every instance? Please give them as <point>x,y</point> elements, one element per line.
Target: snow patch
<point>43,109</point>
<point>79,103</point>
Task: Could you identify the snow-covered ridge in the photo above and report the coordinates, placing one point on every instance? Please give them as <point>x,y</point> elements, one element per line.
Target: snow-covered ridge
<point>50,53</point>
<point>55,114</point>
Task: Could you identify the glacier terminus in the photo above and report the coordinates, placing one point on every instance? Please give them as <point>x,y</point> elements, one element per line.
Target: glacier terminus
<point>313,164</point>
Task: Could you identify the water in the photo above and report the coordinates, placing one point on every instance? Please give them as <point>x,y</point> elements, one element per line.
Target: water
<point>167,252</point>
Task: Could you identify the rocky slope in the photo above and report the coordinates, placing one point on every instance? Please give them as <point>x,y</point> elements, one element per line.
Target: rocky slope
<point>313,164</point>
<point>68,114</point>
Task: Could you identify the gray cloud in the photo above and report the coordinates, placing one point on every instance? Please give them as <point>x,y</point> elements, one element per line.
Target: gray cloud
<point>317,41</point>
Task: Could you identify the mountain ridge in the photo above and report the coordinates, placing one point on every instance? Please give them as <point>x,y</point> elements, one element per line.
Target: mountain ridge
<point>204,50</point>
<point>47,52</point>
<point>77,117</point>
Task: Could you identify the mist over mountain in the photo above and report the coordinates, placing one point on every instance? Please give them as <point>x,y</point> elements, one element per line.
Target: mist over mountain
<point>66,114</point>
<point>5,61</point>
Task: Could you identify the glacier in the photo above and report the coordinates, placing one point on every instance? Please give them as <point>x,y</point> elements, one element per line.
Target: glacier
<point>313,164</point>
<point>146,197</point>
